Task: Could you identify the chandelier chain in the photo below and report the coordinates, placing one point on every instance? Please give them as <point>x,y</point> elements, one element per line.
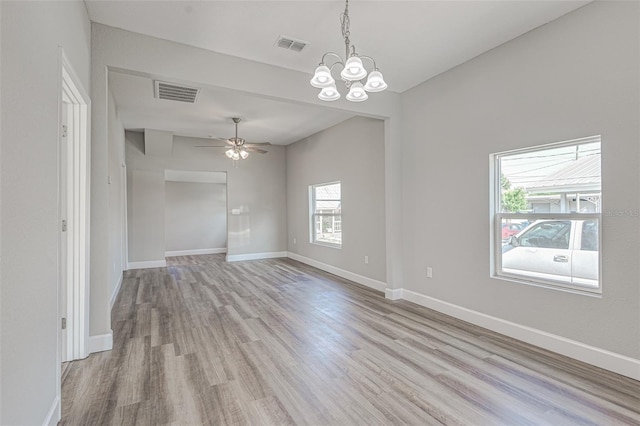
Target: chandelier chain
<point>345,23</point>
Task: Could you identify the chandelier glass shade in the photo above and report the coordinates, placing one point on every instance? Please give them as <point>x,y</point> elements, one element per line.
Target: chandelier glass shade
<point>375,82</point>
<point>357,93</point>
<point>353,70</point>
<point>329,93</point>
<point>322,77</point>
<point>352,74</point>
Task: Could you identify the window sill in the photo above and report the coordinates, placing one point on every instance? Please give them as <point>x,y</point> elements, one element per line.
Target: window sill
<point>596,292</point>
<point>320,243</point>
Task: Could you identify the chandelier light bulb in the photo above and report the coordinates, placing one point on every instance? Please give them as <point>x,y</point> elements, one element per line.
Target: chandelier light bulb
<point>244,154</point>
<point>375,82</point>
<point>235,155</point>
<point>353,69</point>
<point>357,93</point>
<point>329,93</point>
<point>322,77</point>
<point>229,153</point>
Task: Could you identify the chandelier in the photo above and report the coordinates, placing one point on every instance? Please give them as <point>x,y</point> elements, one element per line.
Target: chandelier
<point>352,74</point>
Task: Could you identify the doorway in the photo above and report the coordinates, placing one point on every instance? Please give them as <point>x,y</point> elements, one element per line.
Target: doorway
<point>195,212</point>
<point>73,210</point>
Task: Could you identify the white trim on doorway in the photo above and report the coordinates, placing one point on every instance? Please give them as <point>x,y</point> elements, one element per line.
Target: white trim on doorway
<point>74,169</point>
<point>78,131</point>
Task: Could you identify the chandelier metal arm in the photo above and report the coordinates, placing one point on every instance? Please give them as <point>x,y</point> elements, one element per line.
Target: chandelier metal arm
<point>334,54</point>
<point>375,68</point>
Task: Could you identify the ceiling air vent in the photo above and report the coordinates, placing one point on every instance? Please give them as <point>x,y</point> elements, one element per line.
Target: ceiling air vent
<point>174,92</point>
<point>290,44</point>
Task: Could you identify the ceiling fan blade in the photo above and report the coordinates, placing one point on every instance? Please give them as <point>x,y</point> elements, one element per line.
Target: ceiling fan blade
<point>259,151</point>
<point>218,139</point>
<point>211,146</point>
<point>248,144</point>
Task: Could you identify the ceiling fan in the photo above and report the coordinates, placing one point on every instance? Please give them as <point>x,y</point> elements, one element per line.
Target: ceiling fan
<point>238,148</point>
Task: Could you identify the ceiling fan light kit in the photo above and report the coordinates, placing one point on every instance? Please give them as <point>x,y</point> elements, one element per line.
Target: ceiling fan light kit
<point>239,149</point>
<point>353,71</point>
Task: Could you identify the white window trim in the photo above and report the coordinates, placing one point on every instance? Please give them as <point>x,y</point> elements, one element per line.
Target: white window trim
<point>496,217</point>
<point>313,215</point>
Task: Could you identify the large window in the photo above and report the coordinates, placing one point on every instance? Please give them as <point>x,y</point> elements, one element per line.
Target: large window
<point>326,214</point>
<point>547,207</point>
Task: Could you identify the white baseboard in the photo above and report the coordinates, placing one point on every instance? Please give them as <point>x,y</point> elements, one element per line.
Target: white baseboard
<point>602,358</point>
<point>101,342</point>
<point>147,264</point>
<point>393,293</point>
<point>114,295</point>
<point>255,256</point>
<point>195,252</point>
<point>366,281</point>
<point>53,416</point>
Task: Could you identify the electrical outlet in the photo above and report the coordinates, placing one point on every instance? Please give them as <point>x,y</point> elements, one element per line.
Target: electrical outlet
<point>366,260</point>
<point>429,272</point>
<point>294,240</point>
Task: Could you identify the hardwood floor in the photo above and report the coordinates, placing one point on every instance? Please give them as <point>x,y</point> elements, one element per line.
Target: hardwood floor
<point>277,342</point>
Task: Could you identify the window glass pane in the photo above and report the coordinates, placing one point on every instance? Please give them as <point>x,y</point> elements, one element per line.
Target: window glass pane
<point>553,180</point>
<point>543,197</point>
<point>328,192</point>
<point>328,232</point>
<point>547,234</point>
<point>589,239</point>
<point>326,211</point>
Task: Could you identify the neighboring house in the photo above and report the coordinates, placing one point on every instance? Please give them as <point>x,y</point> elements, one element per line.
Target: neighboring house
<point>574,188</point>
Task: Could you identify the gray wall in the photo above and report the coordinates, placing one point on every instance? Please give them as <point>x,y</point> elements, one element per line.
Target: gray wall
<point>256,188</point>
<point>351,152</point>
<point>32,33</point>
<point>115,48</point>
<point>115,182</point>
<point>576,76</point>
<point>195,216</point>
<point>145,204</point>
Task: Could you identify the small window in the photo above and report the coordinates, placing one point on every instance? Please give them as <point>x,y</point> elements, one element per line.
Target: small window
<point>547,207</point>
<point>326,214</point>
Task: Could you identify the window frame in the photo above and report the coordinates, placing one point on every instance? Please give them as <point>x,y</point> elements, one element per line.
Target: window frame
<point>497,216</point>
<point>313,216</point>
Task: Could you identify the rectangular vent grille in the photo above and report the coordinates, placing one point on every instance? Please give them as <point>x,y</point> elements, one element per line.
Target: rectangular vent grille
<point>291,44</point>
<point>173,92</point>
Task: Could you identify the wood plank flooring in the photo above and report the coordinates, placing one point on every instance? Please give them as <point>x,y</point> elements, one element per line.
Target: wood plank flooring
<point>275,342</point>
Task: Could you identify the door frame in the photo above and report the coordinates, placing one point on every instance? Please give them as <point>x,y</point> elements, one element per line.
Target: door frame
<point>74,204</point>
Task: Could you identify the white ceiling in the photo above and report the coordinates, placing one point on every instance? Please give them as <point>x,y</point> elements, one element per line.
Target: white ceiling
<point>263,120</point>
<point>411,42</point>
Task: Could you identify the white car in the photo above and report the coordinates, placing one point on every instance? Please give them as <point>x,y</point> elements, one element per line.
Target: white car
<point>565,251</point>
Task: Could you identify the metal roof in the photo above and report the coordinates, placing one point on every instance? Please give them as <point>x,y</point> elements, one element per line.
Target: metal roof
<point>581,175</point>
